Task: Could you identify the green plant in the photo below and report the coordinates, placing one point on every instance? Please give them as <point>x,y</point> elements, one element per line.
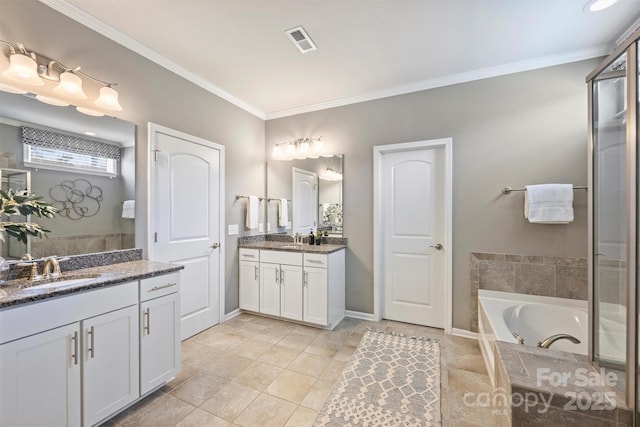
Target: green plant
<point>23,203</point>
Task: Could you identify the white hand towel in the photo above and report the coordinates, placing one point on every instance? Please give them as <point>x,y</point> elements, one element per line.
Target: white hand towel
<point>283,213</point>
<point>252,213</point>
<point>549,203</point>
<point>129,209</point>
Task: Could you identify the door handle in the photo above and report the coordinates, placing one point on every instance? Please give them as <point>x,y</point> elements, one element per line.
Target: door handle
<point>437,246</point>
<point>215,246</point>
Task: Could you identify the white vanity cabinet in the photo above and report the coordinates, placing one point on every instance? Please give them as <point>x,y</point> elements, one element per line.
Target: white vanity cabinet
<point>110,363</point>
<point>78,359</point>
<point>296,285</point>
<point>40,379</point>
<point>324,300</point>
<point>249,279</point>
<point>75,356</point>
<point>281,284</point>
<point>160,349</point>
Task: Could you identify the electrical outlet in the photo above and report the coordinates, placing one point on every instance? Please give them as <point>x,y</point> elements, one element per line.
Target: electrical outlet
<point>232,229</point>
<point>268,227</point>
<point>260,228</point>
<point>288,224</point>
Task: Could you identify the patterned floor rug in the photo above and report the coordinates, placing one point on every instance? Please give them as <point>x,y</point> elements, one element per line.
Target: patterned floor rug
<point>391,380</point>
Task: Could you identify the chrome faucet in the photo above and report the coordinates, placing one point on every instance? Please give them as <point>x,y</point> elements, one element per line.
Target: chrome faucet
<point>553,338</point>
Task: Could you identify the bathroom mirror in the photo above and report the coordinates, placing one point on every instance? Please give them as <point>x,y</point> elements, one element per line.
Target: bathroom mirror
<point>327,197</point>
<point>91,204</point>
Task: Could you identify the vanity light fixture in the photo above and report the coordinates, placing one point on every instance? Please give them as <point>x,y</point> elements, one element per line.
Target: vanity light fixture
<point>598,5</point>
<point>300,148</point>
<point>32,72</point>
<point>331,175</point>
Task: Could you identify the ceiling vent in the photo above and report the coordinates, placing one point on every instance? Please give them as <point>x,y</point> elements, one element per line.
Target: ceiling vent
<point>301,39</point>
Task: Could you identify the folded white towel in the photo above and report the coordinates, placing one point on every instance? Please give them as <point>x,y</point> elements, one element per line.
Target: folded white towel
<point>549,203</point>
<point>283,213</point>
<point>252,213</point>
<point>129,209</point>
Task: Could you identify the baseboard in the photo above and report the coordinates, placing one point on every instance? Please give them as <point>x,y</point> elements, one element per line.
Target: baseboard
<point>464,333</point>
<point>359,315</point>
<point>231,315</point>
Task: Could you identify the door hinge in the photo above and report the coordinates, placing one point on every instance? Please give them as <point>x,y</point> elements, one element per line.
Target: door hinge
<point>155,237</point>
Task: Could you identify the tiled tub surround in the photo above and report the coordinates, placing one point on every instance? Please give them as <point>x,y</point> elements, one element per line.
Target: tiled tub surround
<point>109,268</point>
<point>81,244</point>
<point>544,387</point>
<point>533,317</point>
<point>563,277</point>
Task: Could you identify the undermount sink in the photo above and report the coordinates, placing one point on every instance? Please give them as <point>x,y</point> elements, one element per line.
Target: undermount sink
<point>62,281</point>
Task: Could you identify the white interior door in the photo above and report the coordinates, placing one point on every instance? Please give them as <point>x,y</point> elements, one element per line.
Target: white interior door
<point>412,200</point>
<point>186,214</point>
<point>305,201</point>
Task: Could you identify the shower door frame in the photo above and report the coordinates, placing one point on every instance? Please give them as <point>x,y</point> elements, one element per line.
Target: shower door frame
<point>630,46</point>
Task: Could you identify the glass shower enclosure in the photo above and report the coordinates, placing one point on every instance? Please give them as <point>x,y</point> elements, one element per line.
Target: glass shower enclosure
<point>613,218</point>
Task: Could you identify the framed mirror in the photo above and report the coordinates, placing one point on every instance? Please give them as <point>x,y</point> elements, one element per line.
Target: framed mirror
<point>314,193</point>
<point>95,199</point>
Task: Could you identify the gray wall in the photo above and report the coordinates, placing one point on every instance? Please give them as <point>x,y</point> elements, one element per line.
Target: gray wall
<point>150,93</point>
<point>512,130</point>
<point>524,128</point>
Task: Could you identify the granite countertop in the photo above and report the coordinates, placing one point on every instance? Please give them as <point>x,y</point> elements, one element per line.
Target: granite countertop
<point>18,291</point>
<point>290,247</point>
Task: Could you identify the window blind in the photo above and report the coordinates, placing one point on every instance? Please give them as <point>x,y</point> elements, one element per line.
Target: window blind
<point>73,144</point>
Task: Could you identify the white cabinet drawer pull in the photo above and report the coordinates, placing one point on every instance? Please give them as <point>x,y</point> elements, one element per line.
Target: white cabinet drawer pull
<point>91,349</point>
<point>157,288</point>
<point>315,261</point>
<point>74,355</point>
<point>256,272</point>
<point>146,322</point>
<point>248,256</point>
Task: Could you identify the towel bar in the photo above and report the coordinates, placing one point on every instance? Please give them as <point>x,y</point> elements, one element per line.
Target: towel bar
<point>507,190</point>
<point>238,196</point>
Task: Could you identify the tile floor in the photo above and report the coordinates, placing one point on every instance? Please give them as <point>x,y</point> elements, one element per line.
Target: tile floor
<point>258,372</point>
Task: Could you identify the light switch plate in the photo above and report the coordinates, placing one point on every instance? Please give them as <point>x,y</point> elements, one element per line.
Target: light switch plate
<point>268,227</point>
<point>288,224</point>
<point>232,229</point>
<point>260,228</point>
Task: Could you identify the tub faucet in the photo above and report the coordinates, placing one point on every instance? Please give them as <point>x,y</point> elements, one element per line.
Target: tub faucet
<point>553,338</point>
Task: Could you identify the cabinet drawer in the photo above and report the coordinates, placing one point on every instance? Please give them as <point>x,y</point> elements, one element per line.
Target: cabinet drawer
<point>281,257</point>
<point>316,260</point>
<point>249,254</point>
<point>155,287</point>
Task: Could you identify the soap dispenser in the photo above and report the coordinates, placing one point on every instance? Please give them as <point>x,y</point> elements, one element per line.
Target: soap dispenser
<point>311,238</point>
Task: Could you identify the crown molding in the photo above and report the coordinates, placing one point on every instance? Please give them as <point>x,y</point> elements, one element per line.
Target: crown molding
<point>628,32</point>
<point>100,27</point>
<point>484,73</point>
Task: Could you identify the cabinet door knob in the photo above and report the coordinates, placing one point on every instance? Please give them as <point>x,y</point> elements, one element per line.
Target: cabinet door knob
<point>215,246</point>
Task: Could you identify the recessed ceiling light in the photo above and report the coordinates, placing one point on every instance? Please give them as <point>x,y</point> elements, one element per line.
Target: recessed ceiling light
<point>89,133</point>
<point>597,5</point>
